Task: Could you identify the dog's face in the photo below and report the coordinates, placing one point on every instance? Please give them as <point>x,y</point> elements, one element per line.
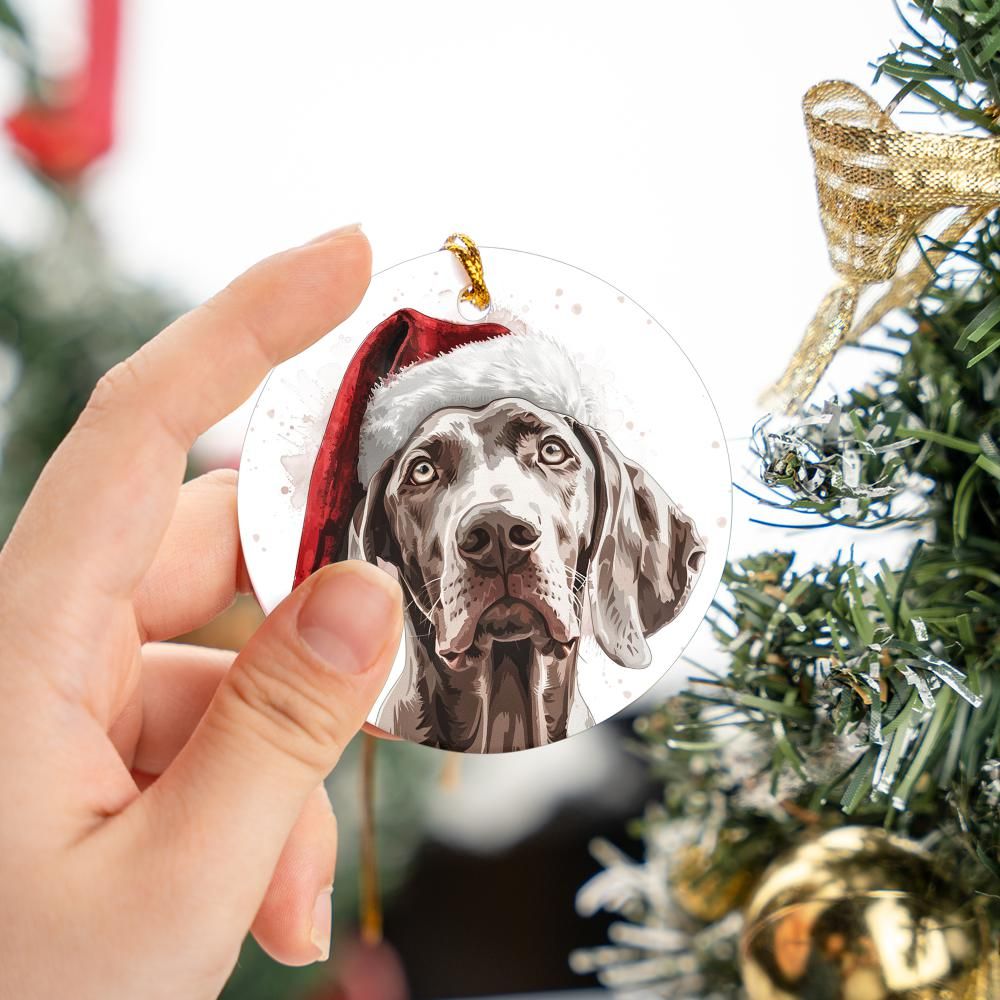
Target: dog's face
<point>503,520</point>
<point>490,510</point>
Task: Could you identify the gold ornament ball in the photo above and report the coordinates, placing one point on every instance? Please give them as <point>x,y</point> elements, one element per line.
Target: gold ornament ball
<point>859,914</point>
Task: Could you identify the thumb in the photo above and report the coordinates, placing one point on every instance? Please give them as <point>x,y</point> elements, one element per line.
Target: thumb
<point>290,704</point>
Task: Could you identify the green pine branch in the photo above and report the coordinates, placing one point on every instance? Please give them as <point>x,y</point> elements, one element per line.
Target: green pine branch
<point>951,59</point>
<point>857,695</point>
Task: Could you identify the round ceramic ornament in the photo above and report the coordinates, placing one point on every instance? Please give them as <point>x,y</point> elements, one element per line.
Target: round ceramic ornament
<point>536,462</point>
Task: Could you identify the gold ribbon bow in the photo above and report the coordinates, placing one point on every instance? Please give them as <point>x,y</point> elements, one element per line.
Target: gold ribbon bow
<point>878,186</point>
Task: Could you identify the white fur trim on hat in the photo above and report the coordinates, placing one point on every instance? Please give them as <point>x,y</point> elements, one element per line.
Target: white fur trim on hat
<point>524,365</point>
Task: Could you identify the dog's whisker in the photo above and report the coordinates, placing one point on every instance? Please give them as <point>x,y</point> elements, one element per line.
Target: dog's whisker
<point>418,598</point>
<point>413,605</point>
<point>423,595</point>
<point>426,588</point>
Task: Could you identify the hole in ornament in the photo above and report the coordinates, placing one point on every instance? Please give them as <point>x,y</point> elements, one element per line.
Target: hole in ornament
<point>467,310</point>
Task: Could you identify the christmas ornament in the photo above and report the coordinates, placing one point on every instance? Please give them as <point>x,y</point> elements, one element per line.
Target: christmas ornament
<point>859,914</point>
<point>537,464</point>
<point>878,186</point>
<point>73,127</point>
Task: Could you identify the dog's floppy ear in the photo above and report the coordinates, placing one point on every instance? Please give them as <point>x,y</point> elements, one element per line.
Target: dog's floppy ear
<point>645,556</point>
<point>370,537</point>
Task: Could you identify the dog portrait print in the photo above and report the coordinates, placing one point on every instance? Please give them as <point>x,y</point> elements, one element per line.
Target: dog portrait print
<point>472,462</point>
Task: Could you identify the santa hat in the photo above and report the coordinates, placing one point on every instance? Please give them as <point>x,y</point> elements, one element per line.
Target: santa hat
<point>408,367</point>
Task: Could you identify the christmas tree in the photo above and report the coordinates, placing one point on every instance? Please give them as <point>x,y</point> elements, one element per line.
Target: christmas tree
<point>858,723</point>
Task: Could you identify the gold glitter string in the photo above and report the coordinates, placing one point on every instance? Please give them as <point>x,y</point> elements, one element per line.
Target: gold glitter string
<point>467,252</point>
<point>371,917</point>
<point>878,187</point>
<point>371,901</point>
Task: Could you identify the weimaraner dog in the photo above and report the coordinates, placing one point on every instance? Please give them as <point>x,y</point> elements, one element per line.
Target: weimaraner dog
<point>511,528</point>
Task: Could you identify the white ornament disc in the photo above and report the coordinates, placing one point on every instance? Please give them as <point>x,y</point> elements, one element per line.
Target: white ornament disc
<point>552,491</point>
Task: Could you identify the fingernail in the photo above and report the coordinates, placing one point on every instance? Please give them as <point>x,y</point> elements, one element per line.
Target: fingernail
<point>322,923</point>
<point>350,615</point>
<point>354,227</point>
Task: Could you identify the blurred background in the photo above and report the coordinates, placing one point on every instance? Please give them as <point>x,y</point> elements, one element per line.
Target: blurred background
<point>152,151</point>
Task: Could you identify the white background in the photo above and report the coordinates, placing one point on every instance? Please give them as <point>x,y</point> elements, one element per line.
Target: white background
<point>659,146</point>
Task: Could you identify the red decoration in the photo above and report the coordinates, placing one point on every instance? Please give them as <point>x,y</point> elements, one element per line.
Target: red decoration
<point>63,137</point>
<point>366,972</point>
<point>406,337</point>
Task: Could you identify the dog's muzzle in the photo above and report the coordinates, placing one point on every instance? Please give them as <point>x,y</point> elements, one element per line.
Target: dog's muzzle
<point>500,586</point>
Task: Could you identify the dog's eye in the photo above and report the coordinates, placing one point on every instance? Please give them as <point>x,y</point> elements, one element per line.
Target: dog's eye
<point>553,452</point>
<point>421,472</point>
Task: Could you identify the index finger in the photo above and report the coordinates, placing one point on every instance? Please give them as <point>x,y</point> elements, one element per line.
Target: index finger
<point>104,501</point>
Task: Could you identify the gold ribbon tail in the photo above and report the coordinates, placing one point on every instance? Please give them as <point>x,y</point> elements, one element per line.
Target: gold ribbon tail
<point>904,288</point>
<point>824,336</point>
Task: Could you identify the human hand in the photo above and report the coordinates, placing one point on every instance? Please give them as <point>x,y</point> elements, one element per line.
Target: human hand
<point>159,800</point>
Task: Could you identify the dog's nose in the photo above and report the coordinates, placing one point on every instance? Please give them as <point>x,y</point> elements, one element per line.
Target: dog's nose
<point>493,537</point>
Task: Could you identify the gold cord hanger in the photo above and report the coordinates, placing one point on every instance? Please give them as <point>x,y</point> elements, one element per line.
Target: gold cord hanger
<point>465,249</point>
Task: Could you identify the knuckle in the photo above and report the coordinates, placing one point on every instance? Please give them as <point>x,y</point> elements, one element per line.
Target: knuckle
<point>215,482</point>
<point>125,389</point>
<point>322,810</point>
<point>287,711</point>
<point>224,479</point>
<point>332,823</point>
<point>112,387</point>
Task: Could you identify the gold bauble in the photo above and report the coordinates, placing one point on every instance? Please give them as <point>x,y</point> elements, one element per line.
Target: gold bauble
<point>859,914</point>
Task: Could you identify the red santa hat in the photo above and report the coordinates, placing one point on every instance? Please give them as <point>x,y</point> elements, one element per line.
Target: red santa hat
<point>408,367</point>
